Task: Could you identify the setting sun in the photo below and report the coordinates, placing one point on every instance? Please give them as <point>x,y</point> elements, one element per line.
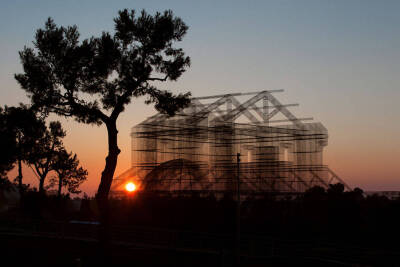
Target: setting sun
<point>130,187</point>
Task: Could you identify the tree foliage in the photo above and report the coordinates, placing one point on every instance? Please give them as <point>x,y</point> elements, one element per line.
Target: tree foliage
<point>25,138</point>
<point>25,127</point>
<point>92,80</point>
<point>7,144</point>
<point>85,79</point>
<point>19,129</point>
<point>43,153</point>
<point>69,173</point>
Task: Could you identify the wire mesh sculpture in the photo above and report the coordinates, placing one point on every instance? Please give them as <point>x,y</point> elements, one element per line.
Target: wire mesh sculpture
<point>196,150</point>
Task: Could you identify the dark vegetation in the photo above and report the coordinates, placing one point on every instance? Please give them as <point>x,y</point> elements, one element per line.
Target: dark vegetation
<point>331,212</point>
<point>349,222</point>
<point>92,80</point>
<point>319,212</point>
<point>26,140</point>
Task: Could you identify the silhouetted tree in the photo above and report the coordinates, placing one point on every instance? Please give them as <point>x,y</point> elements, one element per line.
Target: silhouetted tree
<point>69,173</point>
<point>44,152</point>
<point>93,80</point>
<point>25,127</point>
<point>5,184</point>
<point>335,189</point>
<point>358,192</point>
<point>8,146</point>
<point>315,193</point>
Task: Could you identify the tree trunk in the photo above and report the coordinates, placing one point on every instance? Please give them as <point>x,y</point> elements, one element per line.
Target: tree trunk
<point>104,188</point>
<point>41,185</point>
<point>19,178</point>
<point>111,162</point>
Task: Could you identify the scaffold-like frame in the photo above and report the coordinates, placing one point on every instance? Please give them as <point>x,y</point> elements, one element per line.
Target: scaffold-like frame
<point>197,150</point>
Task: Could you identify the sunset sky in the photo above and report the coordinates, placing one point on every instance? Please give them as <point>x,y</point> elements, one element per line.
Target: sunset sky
<point>340,60</point>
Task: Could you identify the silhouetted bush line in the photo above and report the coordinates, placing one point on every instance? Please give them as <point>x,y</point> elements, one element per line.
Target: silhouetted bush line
<point>332,214</point>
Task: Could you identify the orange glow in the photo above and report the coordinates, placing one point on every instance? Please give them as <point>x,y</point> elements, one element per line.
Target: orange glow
<point>130,187</point>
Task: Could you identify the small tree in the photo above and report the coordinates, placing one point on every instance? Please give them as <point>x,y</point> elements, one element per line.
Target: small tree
<point>93,80</point>
<point>26,128</point>
<point>44,152</point>
<point>69,173</point>
<point>8,147</point>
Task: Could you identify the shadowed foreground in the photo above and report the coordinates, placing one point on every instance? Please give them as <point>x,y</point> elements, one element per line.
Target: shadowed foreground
<point>60,244</point>
<point>85,253</point>
<point>320,228</point>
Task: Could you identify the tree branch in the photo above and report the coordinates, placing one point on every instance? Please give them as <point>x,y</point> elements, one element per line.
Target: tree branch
<point>34,172</point>
<point>158,79</point>
<point>121,100</point>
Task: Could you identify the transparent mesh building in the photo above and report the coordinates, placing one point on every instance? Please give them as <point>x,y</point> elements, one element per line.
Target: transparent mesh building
<point>218,142</point>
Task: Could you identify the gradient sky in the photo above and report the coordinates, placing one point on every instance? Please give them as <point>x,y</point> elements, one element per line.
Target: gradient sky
<point>339,59</point>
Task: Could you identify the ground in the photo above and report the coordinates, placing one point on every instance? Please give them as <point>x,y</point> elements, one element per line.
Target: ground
<point>51,251</point>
